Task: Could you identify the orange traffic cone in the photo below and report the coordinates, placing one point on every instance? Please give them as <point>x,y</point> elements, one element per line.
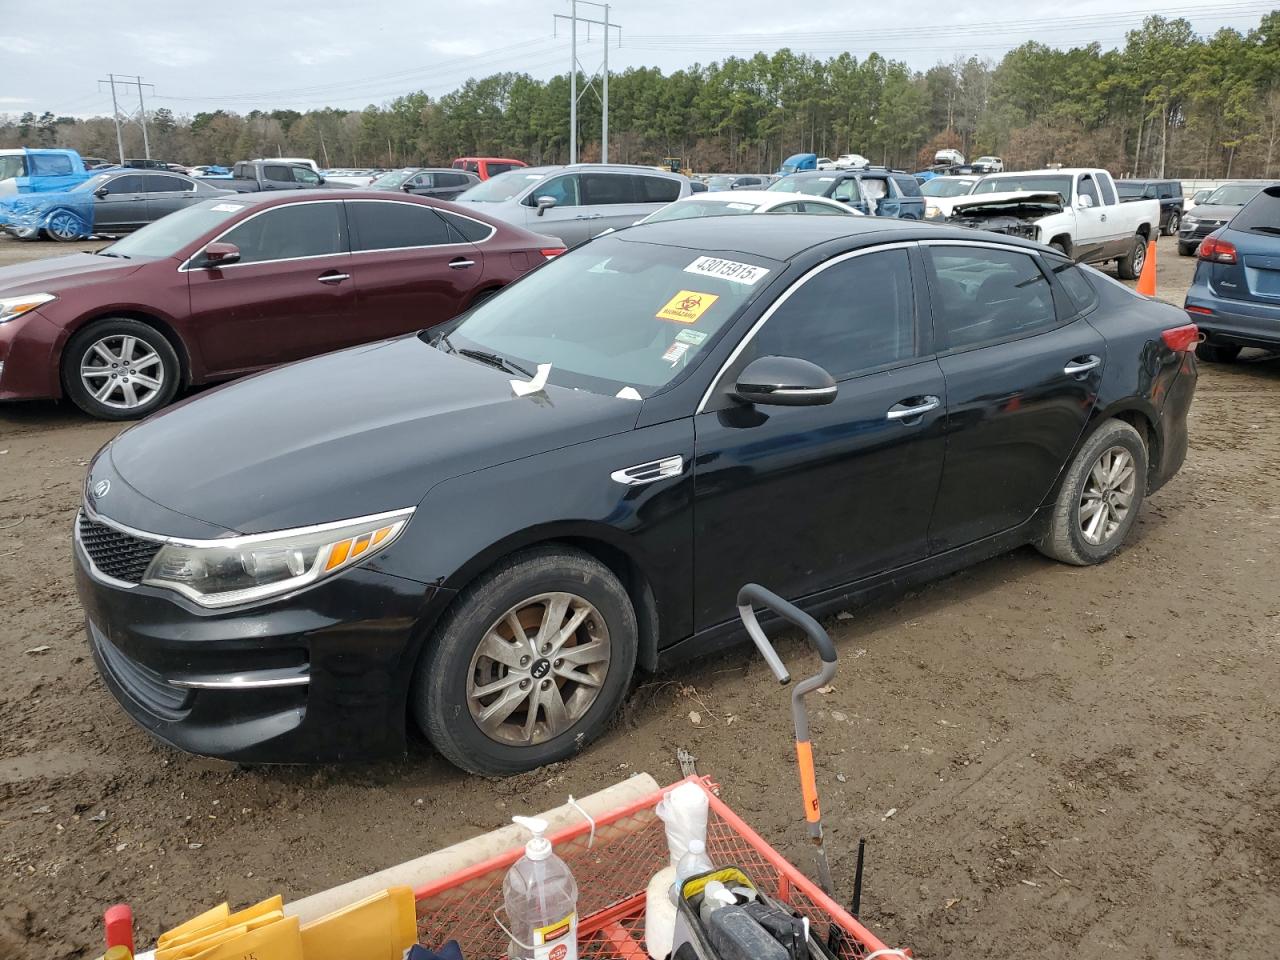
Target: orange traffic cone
<point>1147,279</point>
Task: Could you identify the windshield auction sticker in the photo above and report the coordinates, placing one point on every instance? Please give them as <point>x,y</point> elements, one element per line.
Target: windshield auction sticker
<point>727,270</point>
<point>687,306</point>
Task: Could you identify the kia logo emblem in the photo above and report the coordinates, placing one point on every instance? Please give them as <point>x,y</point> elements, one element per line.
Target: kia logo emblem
<point>100,489</point>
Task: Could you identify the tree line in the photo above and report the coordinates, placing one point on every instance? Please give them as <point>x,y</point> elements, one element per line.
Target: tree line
<point>1169,102</point>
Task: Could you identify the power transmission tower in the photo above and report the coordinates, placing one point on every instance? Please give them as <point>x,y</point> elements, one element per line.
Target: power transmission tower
<point>128,116</point>
<point>601,72</point>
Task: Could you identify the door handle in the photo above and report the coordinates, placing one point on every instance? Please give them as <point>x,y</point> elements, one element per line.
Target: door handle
<point>333,277</point>
<point>1081,365</point>
<point>461,263</point>
<point>909,410</point>
<point>1103,218</point>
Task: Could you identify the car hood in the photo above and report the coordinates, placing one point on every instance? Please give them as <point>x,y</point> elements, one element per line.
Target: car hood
<point>61,273</point>
<point>352,433</point>
<point>1214,211</point>
<point>974,202</point>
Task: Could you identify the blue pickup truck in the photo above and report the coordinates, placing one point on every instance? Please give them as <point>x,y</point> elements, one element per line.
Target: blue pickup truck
<point>27,170</point>
<point>876,191</point>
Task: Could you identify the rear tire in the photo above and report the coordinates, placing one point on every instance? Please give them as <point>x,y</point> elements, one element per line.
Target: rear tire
<point>1175,220</point>
<point>476,730</point>
<point>1217,352</point>
<point>1129,267</point>
<point>128,390</point>
<point>1187,249</point>
<point>1100,497</point>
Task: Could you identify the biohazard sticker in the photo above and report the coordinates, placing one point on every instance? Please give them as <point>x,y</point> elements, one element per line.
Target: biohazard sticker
<point>721,269</point>
<point>687,306</point>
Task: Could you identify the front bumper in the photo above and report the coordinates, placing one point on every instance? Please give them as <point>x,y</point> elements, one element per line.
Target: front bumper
<point>1243,323</point>
<point>1194,233</point>
<point>319,676</point>
<point>29,347</point>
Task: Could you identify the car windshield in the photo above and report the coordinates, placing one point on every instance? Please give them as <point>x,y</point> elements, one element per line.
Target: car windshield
<point>812,186</point>
<point>612,315</point>
<point>701,207</point>
<point>948,186</point>
<point>502,187</point>
<point>393,179</point>
<point>166,236</point>
<point>13,165</point>
<point>1232,195</point>
<point>1018,181</point>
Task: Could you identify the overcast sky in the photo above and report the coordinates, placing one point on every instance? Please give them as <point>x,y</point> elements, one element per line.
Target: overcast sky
<point>254,54</point>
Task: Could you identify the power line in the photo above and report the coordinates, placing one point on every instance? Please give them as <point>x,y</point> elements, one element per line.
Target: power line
<point>128,116</point>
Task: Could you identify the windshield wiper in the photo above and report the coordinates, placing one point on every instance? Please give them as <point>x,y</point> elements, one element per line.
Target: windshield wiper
<point>494,360</point>
<point>1263,228</point>
<point>108,253</point>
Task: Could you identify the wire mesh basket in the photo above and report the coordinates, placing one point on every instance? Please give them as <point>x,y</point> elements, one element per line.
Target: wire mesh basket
<point>612,872</point>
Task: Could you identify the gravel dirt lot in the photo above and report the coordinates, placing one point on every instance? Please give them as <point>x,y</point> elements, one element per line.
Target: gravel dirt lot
<point>1082,761</point>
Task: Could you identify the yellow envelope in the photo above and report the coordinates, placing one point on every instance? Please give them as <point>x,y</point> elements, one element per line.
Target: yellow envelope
<point>189,948</point>
<point>216,916</point>
<point>216,919</point>
<point>273,941</point>
<point>381,927</point>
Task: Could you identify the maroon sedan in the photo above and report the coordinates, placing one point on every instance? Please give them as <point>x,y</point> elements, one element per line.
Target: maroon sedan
<point>236,284</point>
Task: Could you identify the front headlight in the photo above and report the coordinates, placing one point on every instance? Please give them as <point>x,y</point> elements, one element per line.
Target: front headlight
<point>1191,221</point>
<point>222,573</point>
<point>932,211</point>
<point>11,307</point>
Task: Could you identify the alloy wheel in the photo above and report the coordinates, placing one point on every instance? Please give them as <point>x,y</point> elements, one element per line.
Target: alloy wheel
<point>538,669</point>
<point>122,372</point>
<point>1108,495</point>
<point>1175,221</point>
<point>1139,256</point>
<point>64,226</point>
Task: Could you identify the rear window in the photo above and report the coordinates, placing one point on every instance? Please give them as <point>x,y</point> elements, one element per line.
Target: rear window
<point>496,168</point>
<point>657,189</point>
<point>1261,214</point>
<point>56,165</point>
<point>1076,284</point>
<point>909,186</point>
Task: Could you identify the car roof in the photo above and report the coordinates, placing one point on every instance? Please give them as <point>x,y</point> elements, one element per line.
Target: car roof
<point>783,238</point>
<point>770,198</point>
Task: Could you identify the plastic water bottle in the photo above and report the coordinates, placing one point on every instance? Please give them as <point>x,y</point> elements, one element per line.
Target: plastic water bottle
<point>691,864</point>
<point>541,899</point>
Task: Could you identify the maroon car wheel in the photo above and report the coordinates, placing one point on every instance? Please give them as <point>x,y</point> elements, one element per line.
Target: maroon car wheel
<point>120,369</point>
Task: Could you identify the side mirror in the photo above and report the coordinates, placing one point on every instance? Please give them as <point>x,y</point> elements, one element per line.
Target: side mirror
<point>219,254</point>
<point>544,204</point>
<point>407,187</point>
<point>320,180</point>
<point>1085,202</point>
<point>785,382</point>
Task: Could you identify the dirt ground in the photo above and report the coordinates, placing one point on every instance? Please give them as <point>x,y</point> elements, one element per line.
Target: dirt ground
<point>1082,761</point>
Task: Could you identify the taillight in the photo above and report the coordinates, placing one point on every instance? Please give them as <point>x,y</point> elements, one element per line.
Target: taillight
<point>552,252</point>
<point>1181,339</point>
<point>1203,311</point>
<point>1217,250</point>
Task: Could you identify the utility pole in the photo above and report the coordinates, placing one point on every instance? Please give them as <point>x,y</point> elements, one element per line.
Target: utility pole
<point>575,65</point>
<point>122,117</point>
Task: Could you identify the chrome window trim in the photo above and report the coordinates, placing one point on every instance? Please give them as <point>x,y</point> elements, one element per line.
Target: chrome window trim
<point>186,267</point>
<point>422,246</point>
<point>240,540</point>
<point>764,317</point>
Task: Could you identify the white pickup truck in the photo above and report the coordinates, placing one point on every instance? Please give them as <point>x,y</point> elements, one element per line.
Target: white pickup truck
<point>1091,226</point>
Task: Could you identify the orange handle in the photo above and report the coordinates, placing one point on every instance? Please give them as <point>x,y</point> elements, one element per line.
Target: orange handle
<point>808,781</point>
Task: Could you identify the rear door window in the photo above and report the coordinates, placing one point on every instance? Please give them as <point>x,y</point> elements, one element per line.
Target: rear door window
<point>291,232</point>
<point>158,183</point>
<point>984,295</point>
<point>277,172</point>
<point>393,225</point>
<point>908,186</point>
<point>656,189</point>
<point>470,230</point>
<point>1108,189</point>
<point>601,189</point>
<point>1075,283</point>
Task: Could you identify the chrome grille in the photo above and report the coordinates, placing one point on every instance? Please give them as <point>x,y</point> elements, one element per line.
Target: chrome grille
<point>114,553</point>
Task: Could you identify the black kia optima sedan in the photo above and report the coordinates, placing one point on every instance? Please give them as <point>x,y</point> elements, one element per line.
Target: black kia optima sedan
<point>484,530</point>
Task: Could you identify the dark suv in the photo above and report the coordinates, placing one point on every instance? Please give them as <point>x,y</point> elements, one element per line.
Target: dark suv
<point>1168,192</point>
<point>875,191</point>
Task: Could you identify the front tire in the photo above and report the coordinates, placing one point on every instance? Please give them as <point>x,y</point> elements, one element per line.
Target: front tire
<point>1217,352</point>
<point>1187,249</point>
<point>529,665</point>
<point>1100,497</point>
<point>64,227</point>
<point>120,369</point>
<point>1129,267</point>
